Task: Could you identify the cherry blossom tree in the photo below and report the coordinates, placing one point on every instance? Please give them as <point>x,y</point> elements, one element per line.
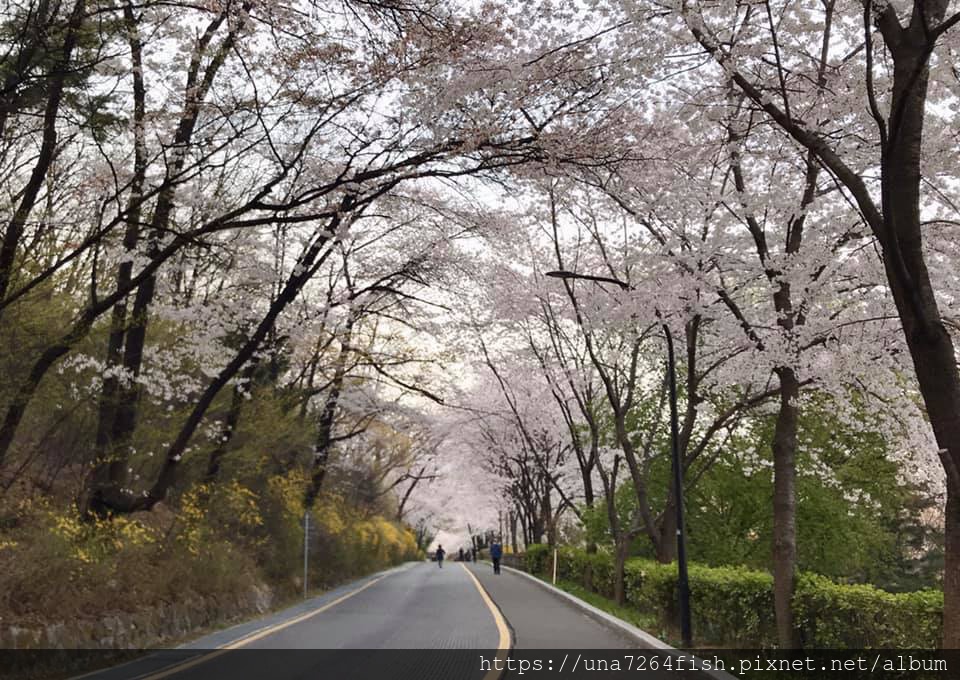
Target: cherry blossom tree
<point>856,88</point>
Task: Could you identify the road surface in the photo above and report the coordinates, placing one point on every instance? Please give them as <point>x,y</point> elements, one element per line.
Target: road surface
<point>541,620</point>
<point>416,621</point>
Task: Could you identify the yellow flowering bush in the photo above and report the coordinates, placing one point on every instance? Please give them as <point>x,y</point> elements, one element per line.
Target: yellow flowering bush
<point>208,542</point>
<point>97,539</point>
<point>347,544</point>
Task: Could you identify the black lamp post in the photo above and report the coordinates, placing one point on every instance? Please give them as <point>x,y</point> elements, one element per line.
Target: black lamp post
<point>683,583</point>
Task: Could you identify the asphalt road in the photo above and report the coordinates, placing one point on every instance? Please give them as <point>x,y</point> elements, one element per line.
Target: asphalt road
<point>541,620</point>
<point>416,621</point>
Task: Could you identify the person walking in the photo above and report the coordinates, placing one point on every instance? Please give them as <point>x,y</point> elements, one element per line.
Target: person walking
<point>440,553</point>
<point>496,552</point>
<point>473,552</point>
<point>460,555</point>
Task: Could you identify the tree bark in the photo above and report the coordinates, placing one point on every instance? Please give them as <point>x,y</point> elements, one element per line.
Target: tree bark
<point>931,348</point>
<point>784,509</point>
<point>667,544</point>
<point>621,551</point>
<point>108,467</point>
<point>951,571</point>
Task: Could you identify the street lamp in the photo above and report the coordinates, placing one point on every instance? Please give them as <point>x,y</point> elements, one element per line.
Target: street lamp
<point>683,583</point>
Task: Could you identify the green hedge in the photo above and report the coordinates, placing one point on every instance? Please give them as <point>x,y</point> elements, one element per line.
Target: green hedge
<point>862,616</point>
<point>733,606</point>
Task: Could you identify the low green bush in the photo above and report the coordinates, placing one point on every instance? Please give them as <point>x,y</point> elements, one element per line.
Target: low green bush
<point>733,606</point>
<point>832,615</point>
<point>536,558</point>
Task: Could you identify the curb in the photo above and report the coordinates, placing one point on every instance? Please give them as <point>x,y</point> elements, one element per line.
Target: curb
<point>603,617</point>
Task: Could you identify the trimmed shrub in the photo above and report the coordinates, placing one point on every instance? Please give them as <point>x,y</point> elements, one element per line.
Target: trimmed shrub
<point>537,558</point>
<point>831,615</point>
<point>733,606</point>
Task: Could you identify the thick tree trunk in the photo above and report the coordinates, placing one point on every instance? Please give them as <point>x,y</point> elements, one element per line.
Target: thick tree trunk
<point>128,402</point>
<point>931,348</point>
<point>951,571</point>
<point>537,529</point>
<point>666,546</point>
<point>784,509</point>
<point>934,363</point>
<point>935,366</point>
<point>588,500</point>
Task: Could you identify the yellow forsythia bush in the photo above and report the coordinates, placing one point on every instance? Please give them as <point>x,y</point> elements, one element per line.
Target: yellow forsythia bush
<point>345,544</point>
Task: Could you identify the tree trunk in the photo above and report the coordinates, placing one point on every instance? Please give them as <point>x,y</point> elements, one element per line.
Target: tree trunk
<point>951,571</point>
<point>537,530</point>
<point>784,509</point>
<point>546,512</point>
<point>321,452</point>
<point>666,547</point>
<point>931,348</point>
<point>621,550</point>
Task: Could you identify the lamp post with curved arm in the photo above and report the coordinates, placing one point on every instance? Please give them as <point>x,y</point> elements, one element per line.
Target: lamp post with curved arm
<point>683,584</point>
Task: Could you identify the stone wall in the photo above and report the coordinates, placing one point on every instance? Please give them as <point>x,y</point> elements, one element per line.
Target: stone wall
<point>166,623</point>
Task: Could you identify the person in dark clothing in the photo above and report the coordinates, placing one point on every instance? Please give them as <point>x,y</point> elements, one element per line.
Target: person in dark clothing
<point>473,552</point>
<point>496,552</point>
<point>440,553</point>
<point>460,555</point>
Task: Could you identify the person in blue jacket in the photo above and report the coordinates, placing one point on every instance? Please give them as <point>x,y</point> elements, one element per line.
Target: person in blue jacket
<point>440,553</point>
<point>496,552</point>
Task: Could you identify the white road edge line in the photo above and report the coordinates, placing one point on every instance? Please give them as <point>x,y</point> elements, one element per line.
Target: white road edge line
<point>637,633</point>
